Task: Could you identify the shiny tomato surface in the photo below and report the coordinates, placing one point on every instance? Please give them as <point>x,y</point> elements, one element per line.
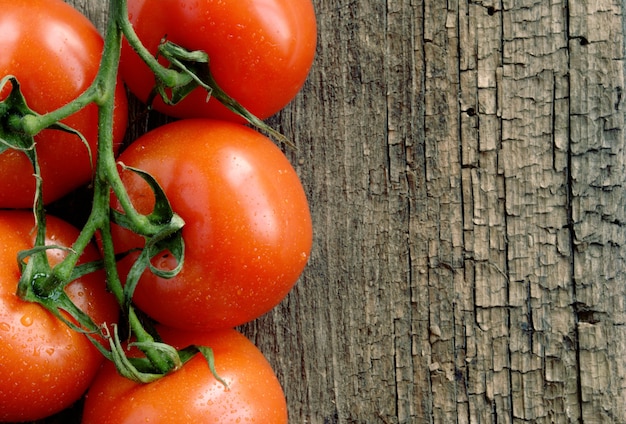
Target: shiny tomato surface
<point>54,51</point>
<point>45,366</point>
<point>192,394</point>
<point>260,51</point>
<point>247,230</point>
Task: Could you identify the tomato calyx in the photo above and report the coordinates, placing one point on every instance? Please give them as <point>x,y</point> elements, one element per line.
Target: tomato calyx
<point>189,65</point>
<point>196,66</point>
<point>19,124</point>
<point>162,232</point>
<point>188,70</point>
<point>39,284</point>
<point>143,370</point>
<point>23,120</point>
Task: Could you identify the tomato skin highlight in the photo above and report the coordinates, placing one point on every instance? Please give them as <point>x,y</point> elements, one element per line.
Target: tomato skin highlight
<point>54,51</point>
<point>247,232</point>
<point>260,51</point>
<point>45,366</point>
<point>192,394</point>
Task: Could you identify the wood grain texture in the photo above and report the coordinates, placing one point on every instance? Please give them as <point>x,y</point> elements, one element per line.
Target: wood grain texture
<point>464,162</point>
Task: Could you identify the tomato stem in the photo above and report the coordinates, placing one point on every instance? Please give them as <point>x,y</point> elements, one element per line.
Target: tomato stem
<point>108,177</point>
<point>43,284</point>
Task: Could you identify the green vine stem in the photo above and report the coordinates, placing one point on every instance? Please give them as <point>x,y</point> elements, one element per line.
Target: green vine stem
<point>40,282</point>
<point>161,228</point>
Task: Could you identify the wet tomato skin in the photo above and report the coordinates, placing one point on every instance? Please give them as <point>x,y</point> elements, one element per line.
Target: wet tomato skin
<point>247,232</point>
<point>54,51</point>
<point>192,394</point>
<point>46,366</point>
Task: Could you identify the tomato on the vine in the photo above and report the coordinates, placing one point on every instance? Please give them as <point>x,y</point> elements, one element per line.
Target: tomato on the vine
<point>192,394</point>
<point>44,365</point>
<point>54,51</point>
<point>247,230</point>
<point>260,51</point>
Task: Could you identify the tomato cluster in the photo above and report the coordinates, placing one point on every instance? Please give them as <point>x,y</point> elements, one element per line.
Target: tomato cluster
<point>247,228</point>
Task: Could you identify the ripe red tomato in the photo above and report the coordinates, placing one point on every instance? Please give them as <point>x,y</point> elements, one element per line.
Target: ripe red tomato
<point>192,394</point>
<point>46,366</point>
<point>54,52</point>
<point>260,50</point>
<point>247,223</point>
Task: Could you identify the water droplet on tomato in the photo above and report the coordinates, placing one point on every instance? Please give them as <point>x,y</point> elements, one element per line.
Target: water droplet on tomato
<point>4,326</point>
<point>26,320</point>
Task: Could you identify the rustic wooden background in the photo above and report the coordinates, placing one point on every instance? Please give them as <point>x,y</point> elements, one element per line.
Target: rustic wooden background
<point>464,160</point>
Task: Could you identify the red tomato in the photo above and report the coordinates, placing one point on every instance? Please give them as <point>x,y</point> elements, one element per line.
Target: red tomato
<point>247,224</point>
<point>192,394</point>
<point>46,366</point>
<point>54,52</point>
<point>260,50</point>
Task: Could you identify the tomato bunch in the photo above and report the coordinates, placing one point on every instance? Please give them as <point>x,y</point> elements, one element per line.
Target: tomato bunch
<point>195,227</point>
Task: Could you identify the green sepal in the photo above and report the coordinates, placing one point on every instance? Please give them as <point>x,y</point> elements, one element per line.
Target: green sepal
<point>55,300</point>
<point>161,214</point>
<point>14,113</point>
<point>12,109</point>
<point>194,67</point>
<point>140,369</point>
<point>23,254</point>
<point>207,353</point>
<point>174,245</point>
<point>164,233</point>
